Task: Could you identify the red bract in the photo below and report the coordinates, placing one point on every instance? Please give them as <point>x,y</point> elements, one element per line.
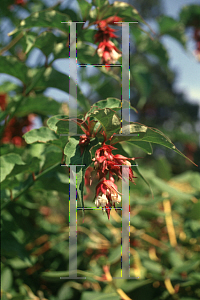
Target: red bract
<point>106,187</point>
<point>107,50</point>
<point>105,162</point>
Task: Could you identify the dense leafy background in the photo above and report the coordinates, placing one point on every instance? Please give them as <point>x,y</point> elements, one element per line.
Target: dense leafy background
<point>35,189</point>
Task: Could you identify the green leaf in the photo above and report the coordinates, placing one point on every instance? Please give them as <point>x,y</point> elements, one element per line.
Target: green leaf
<point>86,54</point>
<point>73,152</point>
<point>30,41</point>
<point>108,119</point>
<point>143,145</point>
<point>6,279</point>
<point>130,285</point>
<point>41,42</point>
<point>60,143</point>
<point>153,267</point>
<point>86,36</point>
<point>53,181</point>
<point>32,166</point>
<point>60,124</point>
<point>9,183</point>
<point>54,79</point>
<point>115,255</point>
<point>84,8</point>
<point>175,258</point>
<point>162,186</point>
<point>163,168</point>
<point>39,105</point>
<point>63,126</point>
<point>147,134</point>
<point>137,171</point>
<point>190,15</point>
<point>8,163</point>
<point>52,155</point>
<point>12,66</point>
<point>120,9</point>
<point>65,292</point>
<point>156,48</point>
<point>42,135</point>
<point>100,3</point>
<point>142,77</point>
<point>137,129</point>
<point>187,266</point>
<point>171,27</point>
<point>112,103</point>
<point>99,296</point>
<point>18,263</point>
<point>46,18</point>
<point>7,86</point>
<point>195,212</point>
<point>193,178</point>
<point>11,246</point>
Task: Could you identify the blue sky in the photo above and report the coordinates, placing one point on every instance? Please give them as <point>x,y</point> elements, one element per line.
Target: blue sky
<point>185,63</point>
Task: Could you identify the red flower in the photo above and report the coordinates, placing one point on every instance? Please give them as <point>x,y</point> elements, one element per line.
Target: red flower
<point>107,49</point>
<point>104,35</point>
<point>106,187</point>
<point>105,161</point>
<point>109,52</point>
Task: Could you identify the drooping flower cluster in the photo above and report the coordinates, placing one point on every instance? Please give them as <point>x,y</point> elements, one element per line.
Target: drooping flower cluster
<point>105,162</point>
<point>197,39</point>
<point>107,50</point>
<point>16,126</point>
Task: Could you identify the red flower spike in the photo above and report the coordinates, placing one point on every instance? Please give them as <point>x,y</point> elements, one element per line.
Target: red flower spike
<point>103,185</point>
<point>107,50</point>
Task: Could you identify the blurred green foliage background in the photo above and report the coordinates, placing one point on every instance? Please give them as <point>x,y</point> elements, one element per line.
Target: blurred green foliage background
<point>164,229</point>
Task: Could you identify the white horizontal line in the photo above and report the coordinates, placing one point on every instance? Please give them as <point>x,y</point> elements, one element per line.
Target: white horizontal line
<point>72,22</point>
<point>127,166</point>
<point>126,22</point>
<point>72,165</point>
<point>82,65</point>
<point>98,208</point>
